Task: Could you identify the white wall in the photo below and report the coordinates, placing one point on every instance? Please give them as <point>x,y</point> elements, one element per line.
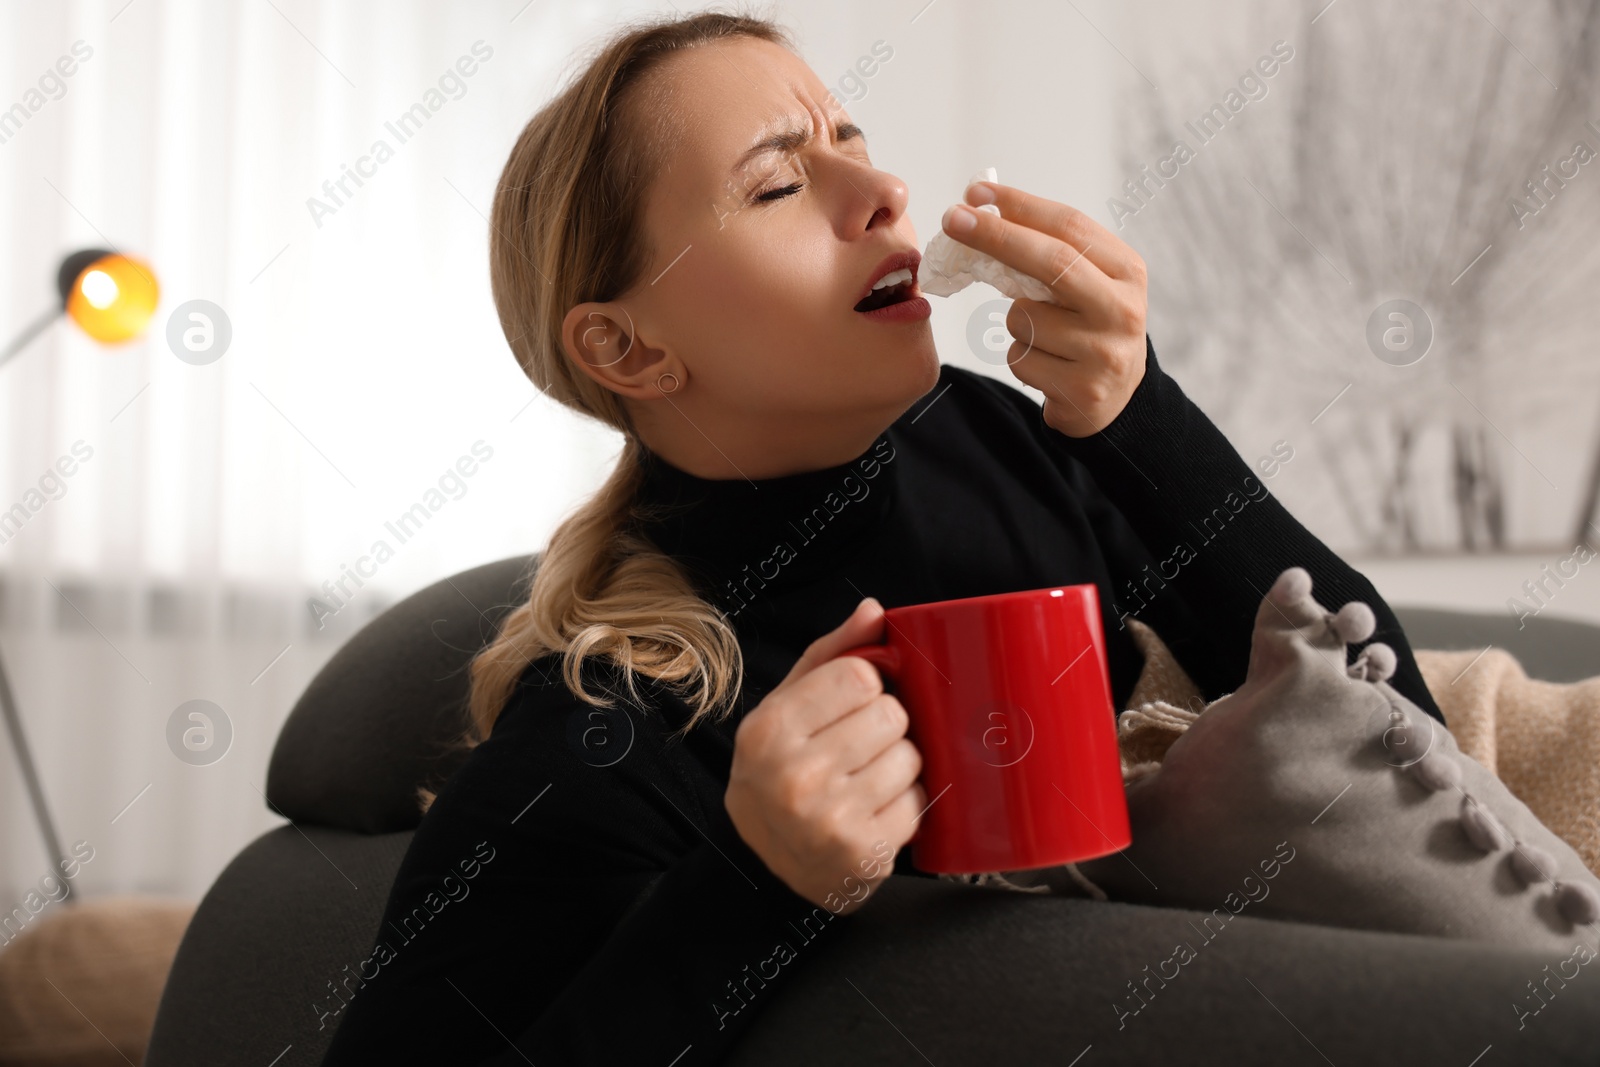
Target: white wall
<point>1485,584</point>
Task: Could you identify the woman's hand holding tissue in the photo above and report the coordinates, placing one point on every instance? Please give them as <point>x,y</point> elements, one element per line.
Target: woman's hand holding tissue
<point>1086,350</point>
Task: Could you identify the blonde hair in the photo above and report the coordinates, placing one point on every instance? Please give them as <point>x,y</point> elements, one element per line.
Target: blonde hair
<point>565,228</point>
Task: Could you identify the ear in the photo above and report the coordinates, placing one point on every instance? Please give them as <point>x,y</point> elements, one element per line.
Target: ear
<point>603,342</point>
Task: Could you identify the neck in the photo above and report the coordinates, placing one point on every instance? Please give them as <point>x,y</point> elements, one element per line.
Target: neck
<point>743,534</point>
<point>757,447</point>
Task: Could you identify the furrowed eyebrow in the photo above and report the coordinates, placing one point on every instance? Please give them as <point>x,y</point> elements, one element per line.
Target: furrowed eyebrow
<point>792,139</point>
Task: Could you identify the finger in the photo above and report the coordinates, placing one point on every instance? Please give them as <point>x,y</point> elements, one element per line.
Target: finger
<point>858,738</point>
<point>1072,383</point>
<point>1037,325</point>
<point>1071,276</point>
<point>1082,351</point>
<point>829,692</point>
<point>1122,315</point>
<point>889,774</point>
<point>1100,246</point>
<point>863,626</point>
<point>899,820</point>
<point>1082,391</point>
<point>1066,335</point>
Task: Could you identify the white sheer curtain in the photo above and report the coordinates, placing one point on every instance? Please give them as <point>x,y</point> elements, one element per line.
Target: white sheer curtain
<point>177,561</point>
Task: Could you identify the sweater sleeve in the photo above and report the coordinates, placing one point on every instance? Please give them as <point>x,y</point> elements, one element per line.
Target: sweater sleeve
<point>1219,536</point>
<point>621,919</point>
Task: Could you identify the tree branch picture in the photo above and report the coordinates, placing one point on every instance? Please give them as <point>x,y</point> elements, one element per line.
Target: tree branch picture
<point>1389,247</point>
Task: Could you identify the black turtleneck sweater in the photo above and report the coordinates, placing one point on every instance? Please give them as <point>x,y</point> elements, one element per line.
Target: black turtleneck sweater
<point>612,914</point>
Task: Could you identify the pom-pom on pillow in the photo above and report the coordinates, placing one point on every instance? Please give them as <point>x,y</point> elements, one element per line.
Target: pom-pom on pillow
<point>1316,792</point>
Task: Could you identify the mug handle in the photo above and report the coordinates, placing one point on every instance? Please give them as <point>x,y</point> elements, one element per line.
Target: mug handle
<point>885,657</point>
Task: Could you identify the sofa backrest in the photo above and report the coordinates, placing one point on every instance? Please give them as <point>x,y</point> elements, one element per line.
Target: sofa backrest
<point>1549,648</point>
<point>379,719</point>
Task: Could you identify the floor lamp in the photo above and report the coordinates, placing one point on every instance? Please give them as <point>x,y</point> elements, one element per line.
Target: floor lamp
<point>112,298</point>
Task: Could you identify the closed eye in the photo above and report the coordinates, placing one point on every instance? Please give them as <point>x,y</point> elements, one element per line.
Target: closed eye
<point>846,132</point>
<point>779,194</point>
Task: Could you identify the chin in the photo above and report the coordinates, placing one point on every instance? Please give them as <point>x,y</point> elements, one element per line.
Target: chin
<point>926,365</point>
<point>894,375</point>
<point>914,370</point>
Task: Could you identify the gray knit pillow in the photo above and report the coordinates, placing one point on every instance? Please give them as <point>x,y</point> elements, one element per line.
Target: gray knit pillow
<point>1318,793</point>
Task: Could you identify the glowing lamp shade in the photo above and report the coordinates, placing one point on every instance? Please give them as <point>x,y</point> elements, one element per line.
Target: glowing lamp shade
<point>113,297</point>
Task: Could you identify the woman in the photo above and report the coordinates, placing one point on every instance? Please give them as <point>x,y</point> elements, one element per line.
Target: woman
<point>677,788</point>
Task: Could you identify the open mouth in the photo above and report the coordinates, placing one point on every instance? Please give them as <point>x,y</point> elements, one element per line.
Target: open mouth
<point>894,288</point>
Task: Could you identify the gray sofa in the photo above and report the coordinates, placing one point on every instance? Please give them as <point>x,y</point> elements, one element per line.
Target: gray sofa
<point>932,971</point>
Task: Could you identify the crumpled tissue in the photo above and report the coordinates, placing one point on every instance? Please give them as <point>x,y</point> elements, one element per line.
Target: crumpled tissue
<point>948,266</point>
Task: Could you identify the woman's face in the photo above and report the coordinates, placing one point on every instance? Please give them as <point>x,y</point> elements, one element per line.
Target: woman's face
<point>759,261</point>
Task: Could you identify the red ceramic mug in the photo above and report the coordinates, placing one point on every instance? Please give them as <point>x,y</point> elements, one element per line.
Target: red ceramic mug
<point>1010,703</point>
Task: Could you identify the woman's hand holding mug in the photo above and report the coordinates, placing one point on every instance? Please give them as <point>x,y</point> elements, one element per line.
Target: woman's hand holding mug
<point>824,779</point>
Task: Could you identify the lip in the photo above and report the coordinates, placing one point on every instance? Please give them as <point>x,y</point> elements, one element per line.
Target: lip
<point>914,309</point>
<point>908,260</point>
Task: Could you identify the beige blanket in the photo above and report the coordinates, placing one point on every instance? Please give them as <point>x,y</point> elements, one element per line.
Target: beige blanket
<point>1542,739</point>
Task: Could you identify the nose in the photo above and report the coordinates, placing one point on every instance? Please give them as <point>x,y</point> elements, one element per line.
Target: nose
<point>877,198</point>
